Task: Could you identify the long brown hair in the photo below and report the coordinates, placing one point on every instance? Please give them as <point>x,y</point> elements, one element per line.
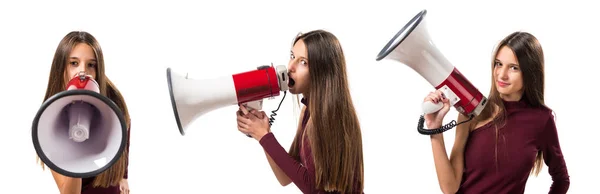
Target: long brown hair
<point>333,130</point>
<point>530,57</point>
<point>57,83</point>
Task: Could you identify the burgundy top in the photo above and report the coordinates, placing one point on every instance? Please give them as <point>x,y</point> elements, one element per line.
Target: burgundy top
<point>527,131</point>
<point>86,183</point>
<point>302,173</point>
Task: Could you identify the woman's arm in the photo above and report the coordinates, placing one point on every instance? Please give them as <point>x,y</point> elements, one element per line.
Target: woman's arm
<point>283,179</point>
<point>296,172</point>
<point>554,159</point>
<point>67,185</point>
<point>449,171</point>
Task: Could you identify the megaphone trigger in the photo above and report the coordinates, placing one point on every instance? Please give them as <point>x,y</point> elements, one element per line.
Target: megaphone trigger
<point>253,105</point>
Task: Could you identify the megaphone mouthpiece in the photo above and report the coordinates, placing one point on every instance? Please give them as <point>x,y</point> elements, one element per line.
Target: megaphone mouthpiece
<point>83,81</point>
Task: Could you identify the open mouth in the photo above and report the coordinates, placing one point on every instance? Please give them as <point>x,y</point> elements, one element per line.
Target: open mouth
<point>291,82</point>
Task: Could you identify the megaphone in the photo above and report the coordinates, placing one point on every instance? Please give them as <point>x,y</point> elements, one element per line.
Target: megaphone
<point>413,47</point>
<point>192,98</point>
<point>79,132</point>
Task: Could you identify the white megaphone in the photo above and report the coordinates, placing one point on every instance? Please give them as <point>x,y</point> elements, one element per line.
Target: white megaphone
<point>79,132</point>
<point>413,47</point>
<point>192,98</point>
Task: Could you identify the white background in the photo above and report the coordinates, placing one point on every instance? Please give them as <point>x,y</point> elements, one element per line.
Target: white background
<point>141,39</point>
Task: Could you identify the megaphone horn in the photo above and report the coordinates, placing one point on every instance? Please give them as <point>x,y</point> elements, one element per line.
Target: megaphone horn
<point>192,98</point>
<point>78,132</point>
<point>413,47</point>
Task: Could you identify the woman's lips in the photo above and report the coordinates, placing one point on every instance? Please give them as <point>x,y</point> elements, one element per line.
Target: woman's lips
<point>502,84</point>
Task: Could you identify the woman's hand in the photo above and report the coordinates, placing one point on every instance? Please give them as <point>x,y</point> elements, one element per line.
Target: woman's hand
<point>124,186</point>
<point>253,123</point>
<point>434,120</point>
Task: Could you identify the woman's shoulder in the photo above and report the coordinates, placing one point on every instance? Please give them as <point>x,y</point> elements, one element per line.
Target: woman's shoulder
<point>545,110</point>
<point>543,113</point>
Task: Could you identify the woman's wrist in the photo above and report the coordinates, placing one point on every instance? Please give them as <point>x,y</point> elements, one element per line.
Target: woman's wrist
<point>437,137</point>
<point>433,125</point>
<point>260,137</point>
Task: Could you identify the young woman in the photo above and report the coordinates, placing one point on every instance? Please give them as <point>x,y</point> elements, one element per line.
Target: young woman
<point>77,52</point>
<point>512,137</point>
<point>326,155</point>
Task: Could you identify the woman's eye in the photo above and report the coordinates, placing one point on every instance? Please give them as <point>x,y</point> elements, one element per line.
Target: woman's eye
<point>74,63</point>
<point>91,65</point>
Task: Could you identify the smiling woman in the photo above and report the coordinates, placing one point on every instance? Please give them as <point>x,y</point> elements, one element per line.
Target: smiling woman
<point>507,74</point>
<point>514,134</point>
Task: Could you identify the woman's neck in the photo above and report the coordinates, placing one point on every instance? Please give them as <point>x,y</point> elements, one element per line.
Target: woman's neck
<point>511,97</point>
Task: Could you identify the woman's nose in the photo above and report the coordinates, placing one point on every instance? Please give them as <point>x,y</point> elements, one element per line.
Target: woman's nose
<point>502,73</point>
<point>80,68</point>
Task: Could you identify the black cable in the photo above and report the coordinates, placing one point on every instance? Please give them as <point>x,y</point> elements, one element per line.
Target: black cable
<point>274,113</point>
<point>442,129</point>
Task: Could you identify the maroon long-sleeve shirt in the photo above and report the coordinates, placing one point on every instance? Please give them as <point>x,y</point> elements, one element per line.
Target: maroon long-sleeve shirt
<point>87,183</point>
<point>527,131</point>
<point>302,173</point>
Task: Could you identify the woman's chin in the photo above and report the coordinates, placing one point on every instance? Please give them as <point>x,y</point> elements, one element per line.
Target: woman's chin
<point>503,91</point>
<point>294,92</point>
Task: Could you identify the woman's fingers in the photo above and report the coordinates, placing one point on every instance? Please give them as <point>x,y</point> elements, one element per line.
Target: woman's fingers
<point>441,94</point>
<point>433,98</point>
<point>256,115</point>
<point>264,116</point>
<point>243,109</point>
<point>243,128</point>
<point>243,119</point>
<point>429,97</point>
<point>244,125</point>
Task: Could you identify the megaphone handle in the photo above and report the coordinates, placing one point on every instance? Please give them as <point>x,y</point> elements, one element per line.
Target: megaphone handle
<point>442,129</point>
<point>430,107</point>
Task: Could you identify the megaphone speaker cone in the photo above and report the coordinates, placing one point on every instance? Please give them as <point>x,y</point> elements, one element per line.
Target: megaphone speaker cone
<point>174,102</point>
<point>79,133</point>
<point>401,35</point>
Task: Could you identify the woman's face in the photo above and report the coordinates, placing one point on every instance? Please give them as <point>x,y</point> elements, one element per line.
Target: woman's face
<point>298,69</point>
<point>508,77</point>
<point>81,58</point>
